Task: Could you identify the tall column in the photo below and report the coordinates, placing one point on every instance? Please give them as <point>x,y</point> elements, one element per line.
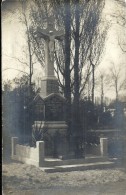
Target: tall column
<point>49,66</point>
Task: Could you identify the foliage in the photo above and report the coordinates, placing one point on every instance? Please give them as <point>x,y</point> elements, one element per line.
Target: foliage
<point>17,110</point>
<point>115,147</point>
<point>38,133</point>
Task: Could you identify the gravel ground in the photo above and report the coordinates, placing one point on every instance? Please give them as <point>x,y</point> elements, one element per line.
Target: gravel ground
<point>20,178</point>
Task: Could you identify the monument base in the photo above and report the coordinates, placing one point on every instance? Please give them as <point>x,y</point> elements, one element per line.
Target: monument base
<point>52,126</point>
<point>54,136</point>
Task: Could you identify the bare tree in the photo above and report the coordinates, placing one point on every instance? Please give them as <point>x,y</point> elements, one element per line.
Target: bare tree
<point>100,83</point>
<point>116,79</point>
<point>23,16</point>
<point>64,12</point>
<point>120,16</point>
<point>26,21</point>
<point>96,52</point>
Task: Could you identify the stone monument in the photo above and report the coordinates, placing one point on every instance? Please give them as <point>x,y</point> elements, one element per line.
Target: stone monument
<point>49,103</point>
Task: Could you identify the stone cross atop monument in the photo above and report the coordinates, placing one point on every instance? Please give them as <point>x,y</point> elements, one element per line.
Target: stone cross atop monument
<point>49,35</point>
<point>49,84</point>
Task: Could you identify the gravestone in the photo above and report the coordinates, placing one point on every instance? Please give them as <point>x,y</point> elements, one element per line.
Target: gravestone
<point>49,103</point>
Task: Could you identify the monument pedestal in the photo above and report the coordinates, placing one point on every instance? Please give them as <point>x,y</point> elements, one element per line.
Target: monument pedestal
<point>51,123</point>
<point>54,136</point>
<point>52,126</point>
<point>50,118</point>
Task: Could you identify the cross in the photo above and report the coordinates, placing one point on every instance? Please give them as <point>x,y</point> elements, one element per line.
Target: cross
<point>49,35</point>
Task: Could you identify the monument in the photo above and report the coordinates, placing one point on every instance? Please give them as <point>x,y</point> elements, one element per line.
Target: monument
<point>49,103</point>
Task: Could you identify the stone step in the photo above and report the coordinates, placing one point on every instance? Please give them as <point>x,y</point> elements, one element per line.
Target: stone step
<point>78,167</point>
<point>49,162</point>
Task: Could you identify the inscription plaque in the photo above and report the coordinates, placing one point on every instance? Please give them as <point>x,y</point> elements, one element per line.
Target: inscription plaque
<point>54,109</point>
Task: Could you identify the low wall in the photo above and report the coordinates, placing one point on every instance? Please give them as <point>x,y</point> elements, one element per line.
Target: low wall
<point>35,156</point>
<point>27,154</point>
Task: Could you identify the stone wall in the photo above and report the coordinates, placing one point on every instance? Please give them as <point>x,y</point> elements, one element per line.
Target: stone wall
<point>27,154</point>
<point>35,156</point>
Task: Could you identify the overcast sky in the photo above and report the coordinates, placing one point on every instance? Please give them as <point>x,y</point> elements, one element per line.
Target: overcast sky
<point>13,40</point>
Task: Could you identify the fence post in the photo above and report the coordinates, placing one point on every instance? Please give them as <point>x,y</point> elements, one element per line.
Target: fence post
<point>104,147</point>
<point>41,153</point>
<point>14,142</point>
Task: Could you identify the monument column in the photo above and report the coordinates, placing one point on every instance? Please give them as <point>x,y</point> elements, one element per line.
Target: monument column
<point>49,65</point>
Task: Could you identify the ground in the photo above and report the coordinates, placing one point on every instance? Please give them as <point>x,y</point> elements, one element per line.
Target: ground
<point>25,179</point>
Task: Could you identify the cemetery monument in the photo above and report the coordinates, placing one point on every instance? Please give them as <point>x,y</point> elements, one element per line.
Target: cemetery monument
<point>49,103</point>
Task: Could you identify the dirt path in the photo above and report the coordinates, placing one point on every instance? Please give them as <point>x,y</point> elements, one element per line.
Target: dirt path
<point>117,188</point>
<point>22,179</point>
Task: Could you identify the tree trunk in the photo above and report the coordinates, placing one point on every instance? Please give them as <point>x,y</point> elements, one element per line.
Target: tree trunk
<point>67,88</point>
<point>93,83</point>
<point>76,109</point>
<point>116,88</point>
<point>102,92</point>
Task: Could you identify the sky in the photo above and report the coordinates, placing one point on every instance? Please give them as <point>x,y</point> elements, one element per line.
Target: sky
<point>13,41</point>
<point>113,52</point>
<point>14,47</point>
